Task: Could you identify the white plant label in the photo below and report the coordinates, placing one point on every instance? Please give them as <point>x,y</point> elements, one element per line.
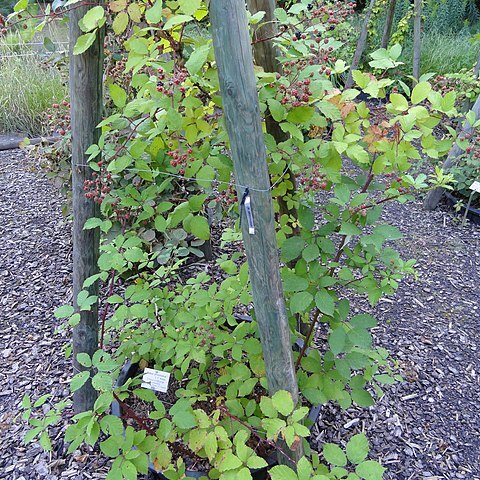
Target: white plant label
<point>155,380</point>
<point>475,186</point>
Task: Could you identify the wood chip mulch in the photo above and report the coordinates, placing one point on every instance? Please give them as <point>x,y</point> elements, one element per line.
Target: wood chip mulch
<point>425,428</point>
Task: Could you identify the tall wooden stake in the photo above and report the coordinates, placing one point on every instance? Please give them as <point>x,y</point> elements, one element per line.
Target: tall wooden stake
<point>361,44</point>
<point>265,54</point>
<point>86,99</point>
<point>387,30</point>
<point>240,105</point>
<point>417,38</point>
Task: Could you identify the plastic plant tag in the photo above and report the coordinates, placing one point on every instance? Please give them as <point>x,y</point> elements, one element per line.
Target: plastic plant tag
<point>155,380</point>
<point>475,186</point>
<point>249,214</point>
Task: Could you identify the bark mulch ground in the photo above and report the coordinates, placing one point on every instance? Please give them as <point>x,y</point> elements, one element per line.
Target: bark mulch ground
<point>425,428</point>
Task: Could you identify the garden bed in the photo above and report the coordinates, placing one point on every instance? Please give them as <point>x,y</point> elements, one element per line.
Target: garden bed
<point>424,428</point>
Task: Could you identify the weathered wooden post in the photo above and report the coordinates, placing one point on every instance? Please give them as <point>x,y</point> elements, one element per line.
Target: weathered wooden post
<point>361,44</point>
<point>265,53</point>
<point>417,38</point>
<point>387,29</point>
<point>240,105</point>
<point>86,99</point>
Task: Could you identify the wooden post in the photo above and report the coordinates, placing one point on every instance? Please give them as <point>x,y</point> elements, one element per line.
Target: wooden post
<point>86,99</point>
<point>417,38</point>
<point>361,44</point>
<point>240,105</point>
<point>435,195</point>
<point>265,54</point>
<point>387,30</point>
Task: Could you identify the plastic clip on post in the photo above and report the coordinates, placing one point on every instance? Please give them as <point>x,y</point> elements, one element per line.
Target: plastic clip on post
<point>246,203</point>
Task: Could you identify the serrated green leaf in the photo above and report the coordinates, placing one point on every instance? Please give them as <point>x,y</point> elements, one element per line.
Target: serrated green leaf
<point>200,228</point>
<point>357,448</point>
<point>154,14</point>
<point>370,470</point>
<point>324,302</point>
<point>282,401</point>
<point>282,472</point>
<point>334,455</point>
<point>197,59</point>
<point>336,340</point>
<point>118,94</point>
<point>300,302</point>
<point>79,380</point>
<point>64,311</point>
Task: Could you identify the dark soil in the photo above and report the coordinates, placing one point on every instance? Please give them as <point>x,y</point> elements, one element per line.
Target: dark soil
<point>425,428</point>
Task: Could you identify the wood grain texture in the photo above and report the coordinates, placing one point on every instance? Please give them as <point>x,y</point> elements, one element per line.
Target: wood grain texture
<point>266,56</point>
<point>241,109</point>
<point>434,196</point>
<point>86,98</point>
<point>417,38</point>
<point>361,44</point>
<point>387,29</point>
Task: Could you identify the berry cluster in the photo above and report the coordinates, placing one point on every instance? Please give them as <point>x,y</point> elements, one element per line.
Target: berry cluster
<point>313,179</point>
<point>395,179</point>
<point>99,187</point>
<point>297,93</point>
<point>58,118</point>
<point>227,197</point>
<point>474,146</point>
<point>205,333</point>
<point>168,85</point>
<point>181,159</point>
<point>360,210</point>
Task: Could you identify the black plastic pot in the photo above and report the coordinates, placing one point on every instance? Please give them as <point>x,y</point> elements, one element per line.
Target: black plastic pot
<point>131,369</point>
<point>473,213</point>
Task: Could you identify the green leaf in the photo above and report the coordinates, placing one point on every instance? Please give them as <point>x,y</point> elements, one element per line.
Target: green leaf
<point>129,471</point>
<point>300,114</point>
<point>324,302</point>
<point>189,7</point>
<point>349,229</point>
<point>184,420</point>
<point>256,462</point>
<point>84,42</point>
<point>311,253</point>
<point>421,92</point>
<point>120,23</point>
<point>282,472</point>
<point>118,94</point>
<point>336,340</point>
<point>44,441</point>
<point>277,110</point>
<point>79,380</point>
<point>205,176</point>
<point>399,102</point>
<point>20,5</point>
<point>177,20</point>
<point>283,402</point>
<point>357,448</point>
<point>92,223</point>
<point>154,14</point>
<point>93,18</point>
<point>200,228</point>
<point>292,248</point>
<point>362,398</point>
<point>228,461</point>
<point>197,59</point>
<point>102,381</point>
<point>300,302</point>
<point>334,455</point>
<point>84,359</point>
<point>294,283</point>
<point>64,311</point>
<point>370,470</point>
